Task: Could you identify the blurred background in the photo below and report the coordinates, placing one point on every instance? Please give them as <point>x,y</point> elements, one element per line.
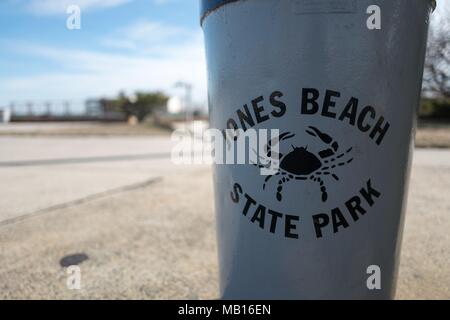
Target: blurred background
<point>86,112</point>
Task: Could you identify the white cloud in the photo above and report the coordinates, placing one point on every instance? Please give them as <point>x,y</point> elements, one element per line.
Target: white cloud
<point>80,74</point>
<point>144,34</point>
<point>48,7</point>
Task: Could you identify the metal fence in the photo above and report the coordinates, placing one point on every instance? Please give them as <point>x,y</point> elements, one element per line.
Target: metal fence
<point>60,110</point>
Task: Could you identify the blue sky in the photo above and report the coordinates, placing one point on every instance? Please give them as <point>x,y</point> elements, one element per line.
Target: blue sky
<point>123,45</point>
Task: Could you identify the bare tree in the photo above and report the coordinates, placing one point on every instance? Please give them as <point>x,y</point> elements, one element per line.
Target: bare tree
<point>437,65</point>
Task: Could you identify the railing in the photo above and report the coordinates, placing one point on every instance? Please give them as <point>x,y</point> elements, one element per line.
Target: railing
<point>60,110</point>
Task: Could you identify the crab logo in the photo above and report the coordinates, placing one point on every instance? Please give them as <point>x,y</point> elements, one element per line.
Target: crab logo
<point>302,164</point>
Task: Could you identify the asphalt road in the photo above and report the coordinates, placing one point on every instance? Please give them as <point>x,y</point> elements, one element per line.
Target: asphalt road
<point>147,225</point>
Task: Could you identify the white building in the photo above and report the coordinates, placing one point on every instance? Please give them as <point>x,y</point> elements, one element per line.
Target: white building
<point>174,105</point>
<point>5,114</point>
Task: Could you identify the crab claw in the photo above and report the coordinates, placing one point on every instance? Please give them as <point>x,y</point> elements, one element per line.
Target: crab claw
<point>276,140</point>
<point>323,136</point>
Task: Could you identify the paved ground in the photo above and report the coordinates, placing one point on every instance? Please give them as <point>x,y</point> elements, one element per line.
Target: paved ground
<point>75,129</point>
<point>434,136</point>
<point>148,227</point>
<point>43,172</point>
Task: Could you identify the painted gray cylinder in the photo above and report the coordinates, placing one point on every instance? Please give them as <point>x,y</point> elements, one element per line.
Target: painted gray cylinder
<point>358,87</point>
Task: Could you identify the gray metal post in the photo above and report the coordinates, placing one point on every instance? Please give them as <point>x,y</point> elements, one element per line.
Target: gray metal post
<point>345,93</point>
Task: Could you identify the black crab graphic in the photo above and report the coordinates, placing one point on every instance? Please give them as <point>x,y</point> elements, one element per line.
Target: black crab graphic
<point>302,164</point>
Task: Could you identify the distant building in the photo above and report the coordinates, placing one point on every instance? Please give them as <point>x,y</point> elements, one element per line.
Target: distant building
<point>5,114</point>
<point>174,105</point>
<point>93,108</point>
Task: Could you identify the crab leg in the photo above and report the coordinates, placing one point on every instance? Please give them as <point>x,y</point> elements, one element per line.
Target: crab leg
<point>323,188</point>
<point>268,178</point>
<point>332,164</point>
<point>280,187</point>
<point>327,170</point>
<point>339,156</point>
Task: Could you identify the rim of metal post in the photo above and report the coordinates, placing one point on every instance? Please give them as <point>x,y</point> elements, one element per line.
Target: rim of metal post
<point>209,6</point>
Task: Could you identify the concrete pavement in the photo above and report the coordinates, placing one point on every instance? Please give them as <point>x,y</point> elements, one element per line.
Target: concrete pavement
<point>44,172</point>
<point>147,226</point>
